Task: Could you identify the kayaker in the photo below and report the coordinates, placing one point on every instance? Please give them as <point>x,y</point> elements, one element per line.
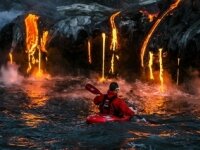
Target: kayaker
<point>111,104</point>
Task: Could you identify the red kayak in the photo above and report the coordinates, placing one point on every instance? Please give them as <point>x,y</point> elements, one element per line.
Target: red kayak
<point>99,118</point>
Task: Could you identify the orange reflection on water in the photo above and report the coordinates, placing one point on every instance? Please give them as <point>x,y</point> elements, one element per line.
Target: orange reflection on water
<point>167,134</point>
<point>140,133</point>
<point>37,93</point>
<point>144,134</point>
<point>32,120</point>
<point>154,105</point>
<point>21,142</point>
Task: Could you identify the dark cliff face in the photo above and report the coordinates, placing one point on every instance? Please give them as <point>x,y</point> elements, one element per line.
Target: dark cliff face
<point>179,36</point>
<point>70,27</point>
<point>33,4</point>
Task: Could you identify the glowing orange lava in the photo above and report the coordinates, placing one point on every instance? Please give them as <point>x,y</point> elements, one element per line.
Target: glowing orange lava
<point>146,41</point>
<point>112,63</point>
<point>43,41</point>
<point>161,70</point>
<point>31,38</point>
<point>11,58</point>
<point>150,65</point>
<point>149,15</point>
<point>89,52</point>
<point>177,81</point>
<point>103,57</point>
<point>114,43</point>
<point>154,104</point>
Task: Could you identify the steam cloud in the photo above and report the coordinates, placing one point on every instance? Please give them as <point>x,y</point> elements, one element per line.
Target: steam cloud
<point>10,76</point>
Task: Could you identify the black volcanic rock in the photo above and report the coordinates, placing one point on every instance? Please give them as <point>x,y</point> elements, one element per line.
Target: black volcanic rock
<point>71,24</point>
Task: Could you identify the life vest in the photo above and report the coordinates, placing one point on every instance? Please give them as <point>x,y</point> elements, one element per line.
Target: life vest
<point>105,105</point>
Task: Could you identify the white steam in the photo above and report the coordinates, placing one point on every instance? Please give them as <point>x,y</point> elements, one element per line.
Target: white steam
<point>10,76</point>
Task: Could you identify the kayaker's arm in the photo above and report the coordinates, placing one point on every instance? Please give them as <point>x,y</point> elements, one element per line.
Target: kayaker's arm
<point>98,99</point>
<point>123,107</point>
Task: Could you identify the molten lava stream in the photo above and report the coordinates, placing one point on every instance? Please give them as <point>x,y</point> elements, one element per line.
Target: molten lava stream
<point>178,72</point>
<point>161,70</point>
<point>114,43</point>
<point>43,42</point>
<point>89,52</point>
<point>103,57</point>
<point>149,15</point>
<point>150,65</point>
<point>11,58</point>
<point>148,37</point>
<point>31,38</point>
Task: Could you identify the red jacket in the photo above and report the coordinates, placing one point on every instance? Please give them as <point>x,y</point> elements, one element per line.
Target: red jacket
<point>118,107</point>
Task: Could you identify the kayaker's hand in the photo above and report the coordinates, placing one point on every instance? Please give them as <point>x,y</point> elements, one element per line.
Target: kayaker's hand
<point>134,110</point>
<point>143,120</point>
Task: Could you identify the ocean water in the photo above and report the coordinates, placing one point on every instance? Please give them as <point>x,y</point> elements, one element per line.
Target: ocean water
<point>50,113</point>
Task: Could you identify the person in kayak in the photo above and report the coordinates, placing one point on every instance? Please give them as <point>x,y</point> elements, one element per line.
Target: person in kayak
<point>111,104</point>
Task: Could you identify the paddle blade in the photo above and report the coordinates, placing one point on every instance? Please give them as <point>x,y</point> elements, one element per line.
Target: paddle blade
<point>92,89</point>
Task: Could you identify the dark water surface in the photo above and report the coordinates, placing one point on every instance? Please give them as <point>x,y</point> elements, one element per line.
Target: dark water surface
<point>50,114</point>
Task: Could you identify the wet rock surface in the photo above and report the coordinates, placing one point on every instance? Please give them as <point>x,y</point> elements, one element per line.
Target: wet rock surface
<point>75,23</point>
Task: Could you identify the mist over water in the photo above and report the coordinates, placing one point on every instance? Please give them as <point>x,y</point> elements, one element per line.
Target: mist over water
<point>51,113</point>
<point>10,75</point>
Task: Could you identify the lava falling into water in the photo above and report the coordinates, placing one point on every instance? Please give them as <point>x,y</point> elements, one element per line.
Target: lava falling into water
<point>11,58</point>
<point>114,43</point>
<point>112,63</point>
<point>43,42</point>
<point>31,38</point>
<point>103,57</point>
<point>150,65</point>
<point>146,41</point>
<point>39,73</point>
<point>161,69</point>
<point>89,52</point>
<point>177,81</point>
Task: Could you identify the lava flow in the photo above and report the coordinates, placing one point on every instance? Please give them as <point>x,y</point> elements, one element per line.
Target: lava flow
<point>89,52</point>
<point>178,72</point>
<point>146,41</point>
<point>32,44</point>
<point>103,57</point>
<point>11,58</point>
<point>114,44</point>
<point>43,42</point>
<point>151,16</point>
<point>161,69</point>
<point>150,65</point>
<point>31,39</point>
